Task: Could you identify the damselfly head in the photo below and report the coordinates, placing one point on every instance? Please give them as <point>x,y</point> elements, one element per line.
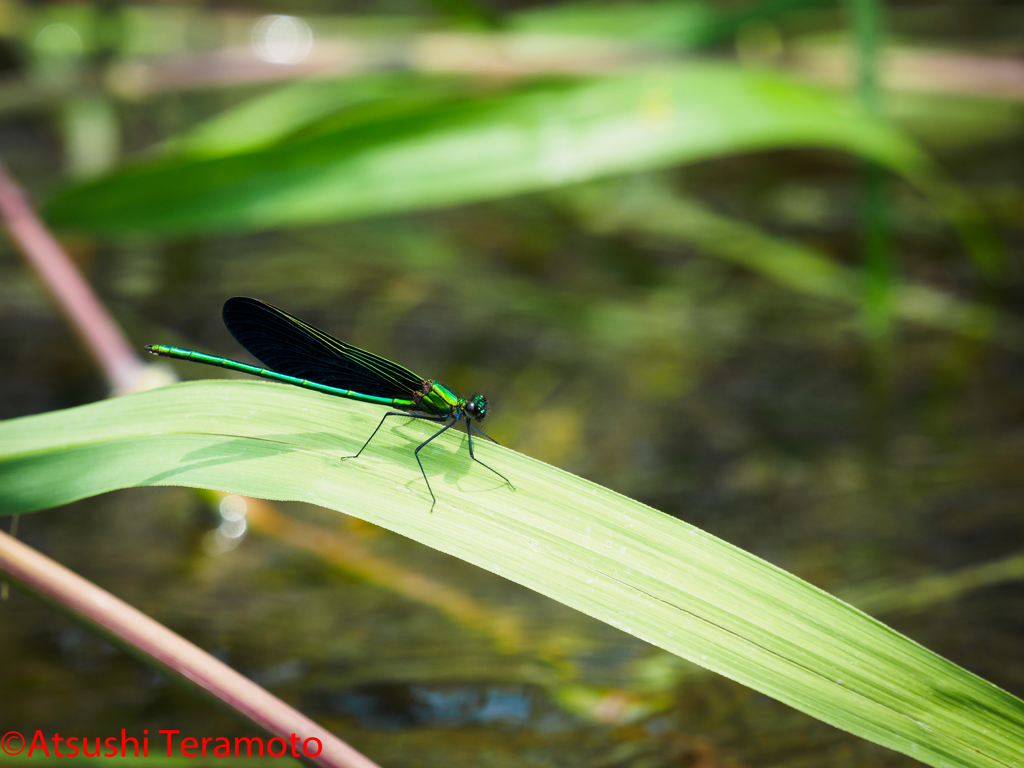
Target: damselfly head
<point>476,407</point>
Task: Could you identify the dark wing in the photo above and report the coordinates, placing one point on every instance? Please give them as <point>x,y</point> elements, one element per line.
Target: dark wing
<point>287,345</point>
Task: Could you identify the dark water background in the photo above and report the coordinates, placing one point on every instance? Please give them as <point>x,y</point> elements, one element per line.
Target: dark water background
<point>691,384</point>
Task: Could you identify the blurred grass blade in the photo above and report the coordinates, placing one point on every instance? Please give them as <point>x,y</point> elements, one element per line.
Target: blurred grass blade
<point>281,113</point>
<point>877,309</point>
<point>889,596</point>
<point>538,137</point>
<point>652,209</point>
<point>608,556</point>
<point>272,117</point>
<point>683,24</point>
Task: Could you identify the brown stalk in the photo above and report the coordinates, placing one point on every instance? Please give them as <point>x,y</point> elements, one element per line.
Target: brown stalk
<point>143,637</point>
<point>75,298</point>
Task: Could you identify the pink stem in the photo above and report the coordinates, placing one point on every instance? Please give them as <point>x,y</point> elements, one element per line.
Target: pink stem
<point>179,658</point>
<point>74,295</point>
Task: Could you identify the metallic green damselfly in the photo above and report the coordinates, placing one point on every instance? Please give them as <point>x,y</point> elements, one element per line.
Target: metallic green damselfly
<point>296,353</point>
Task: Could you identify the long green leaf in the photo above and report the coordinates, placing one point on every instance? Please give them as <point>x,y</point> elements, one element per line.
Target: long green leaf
<point>647,573</point>
<point>467,149</point>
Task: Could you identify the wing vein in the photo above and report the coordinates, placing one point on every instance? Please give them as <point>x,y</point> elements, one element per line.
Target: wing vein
<point>290,346</point>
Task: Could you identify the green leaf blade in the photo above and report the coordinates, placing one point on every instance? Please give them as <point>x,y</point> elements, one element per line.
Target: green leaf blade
<point>611,557</point>
<point>469,149</point>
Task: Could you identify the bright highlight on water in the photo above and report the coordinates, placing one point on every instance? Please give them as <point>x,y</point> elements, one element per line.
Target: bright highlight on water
<point>297,353</point>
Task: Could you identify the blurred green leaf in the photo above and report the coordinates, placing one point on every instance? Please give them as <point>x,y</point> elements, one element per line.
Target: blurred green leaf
<point>613,558</point>
<point>280,114</point>
<point>679,23</point>
<point>651,209</point>
<point>463,150</point>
